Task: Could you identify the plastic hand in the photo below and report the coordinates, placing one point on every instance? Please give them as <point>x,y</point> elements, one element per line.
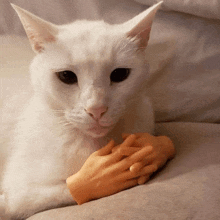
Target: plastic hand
<point>160,150</point>
<point>105,173</point>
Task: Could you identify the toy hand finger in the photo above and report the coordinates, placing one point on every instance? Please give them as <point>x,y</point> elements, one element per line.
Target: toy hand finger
<point>127,151</point>
<point>154,158</point>
<point>118,153</point>
<point>138,135</point>
<point>167,144</point>
<point>114,149</point>
<point>137,167</point>
<point>148,170</point>
<point>122,150</point>
<point>143,179</point>
<point>139,155</point>
<point>129,141</point>
<point>106,149</point>
<point>151,158</point>
<point>126,147</point>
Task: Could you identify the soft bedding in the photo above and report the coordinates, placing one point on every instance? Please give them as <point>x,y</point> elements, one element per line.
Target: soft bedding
<point>184,57</point>
<point>202,8</point>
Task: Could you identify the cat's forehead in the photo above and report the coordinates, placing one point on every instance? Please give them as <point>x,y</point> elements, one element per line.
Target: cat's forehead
<point>87,40</point>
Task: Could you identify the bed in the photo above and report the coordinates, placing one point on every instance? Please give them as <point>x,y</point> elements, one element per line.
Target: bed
<point>184,57</point>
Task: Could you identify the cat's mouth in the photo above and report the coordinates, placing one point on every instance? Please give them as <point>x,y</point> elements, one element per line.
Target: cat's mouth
<point>98,130</point>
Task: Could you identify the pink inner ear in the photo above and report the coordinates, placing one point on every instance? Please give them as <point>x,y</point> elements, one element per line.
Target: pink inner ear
<point>142,36</point>
<point>141,31</point>
<point>37,41</point>
<point>50,38</point>
<point>38,31</point>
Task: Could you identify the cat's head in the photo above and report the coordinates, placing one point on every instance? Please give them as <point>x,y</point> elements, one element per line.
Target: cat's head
<point>89,70</point>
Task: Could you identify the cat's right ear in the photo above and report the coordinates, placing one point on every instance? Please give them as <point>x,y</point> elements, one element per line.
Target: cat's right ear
<point>139,27</point>
<point>39,31</point>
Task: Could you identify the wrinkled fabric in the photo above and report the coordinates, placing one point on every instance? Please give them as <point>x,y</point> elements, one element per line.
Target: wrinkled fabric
<point>202,8</point>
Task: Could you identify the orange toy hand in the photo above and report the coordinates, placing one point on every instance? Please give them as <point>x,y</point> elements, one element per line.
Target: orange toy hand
<point>105,173</point>
<point>160,150</point>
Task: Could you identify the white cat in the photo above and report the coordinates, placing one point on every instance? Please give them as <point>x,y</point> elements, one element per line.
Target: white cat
<point>89,81</point>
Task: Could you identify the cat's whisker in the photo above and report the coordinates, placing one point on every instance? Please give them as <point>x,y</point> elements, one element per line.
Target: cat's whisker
<point>66,126</point>
<point>62,121</point>
<point>65,122</point>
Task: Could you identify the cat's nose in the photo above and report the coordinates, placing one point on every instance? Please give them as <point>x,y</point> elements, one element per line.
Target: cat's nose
<point>96,112</point>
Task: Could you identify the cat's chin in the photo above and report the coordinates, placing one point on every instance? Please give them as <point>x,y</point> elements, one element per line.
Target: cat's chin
<point>97,132</point>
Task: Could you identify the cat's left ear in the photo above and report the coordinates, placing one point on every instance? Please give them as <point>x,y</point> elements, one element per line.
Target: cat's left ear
<point>39,31</point>
<point>140,26</point>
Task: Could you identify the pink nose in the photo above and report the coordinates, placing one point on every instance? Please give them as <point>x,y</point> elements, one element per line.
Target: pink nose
<point>96,112</point>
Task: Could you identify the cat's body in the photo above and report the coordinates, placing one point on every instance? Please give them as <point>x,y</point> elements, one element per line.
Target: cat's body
<point>46,153</point>
<point>63,123</point>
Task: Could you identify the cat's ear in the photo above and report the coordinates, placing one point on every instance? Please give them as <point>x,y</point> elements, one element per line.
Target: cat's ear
<point>38,31</point>
<point>140,26</point>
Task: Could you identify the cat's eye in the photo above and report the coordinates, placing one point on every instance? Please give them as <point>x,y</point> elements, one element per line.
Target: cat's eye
<point>120,74</point>
<point>67,77</point>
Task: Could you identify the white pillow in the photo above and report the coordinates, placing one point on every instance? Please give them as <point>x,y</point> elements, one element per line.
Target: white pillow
<point>184,51</point>
<point>203,8</point>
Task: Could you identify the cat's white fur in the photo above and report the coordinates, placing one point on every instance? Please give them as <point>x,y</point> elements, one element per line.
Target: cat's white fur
<point>55,135</point>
